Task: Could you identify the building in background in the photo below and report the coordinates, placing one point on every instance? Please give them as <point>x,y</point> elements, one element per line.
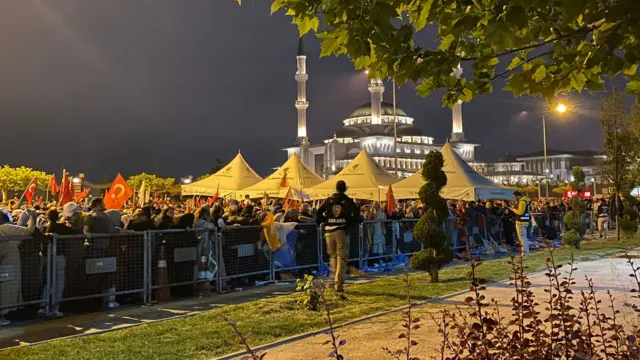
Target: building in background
<point>561,163</point>
<point>370,127</point>
<point>508,170</point>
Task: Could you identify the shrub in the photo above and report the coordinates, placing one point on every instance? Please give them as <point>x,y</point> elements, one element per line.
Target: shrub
<point>310,298</point>
<point>571,238</point>
<point>430,228</point>
<point>627,226</point>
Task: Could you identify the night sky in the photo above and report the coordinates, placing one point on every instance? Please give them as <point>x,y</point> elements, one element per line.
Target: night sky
<point>166,86</point>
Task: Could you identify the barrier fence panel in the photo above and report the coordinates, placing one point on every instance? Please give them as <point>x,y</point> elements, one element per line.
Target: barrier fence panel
<point>180,259</point>
<point>298,253</point>
<point>378,240</point>
<point>354,239</point>
<point>104,266</point>
<point>243,252</point>
<point>406,243</point>
<point>23,268</point>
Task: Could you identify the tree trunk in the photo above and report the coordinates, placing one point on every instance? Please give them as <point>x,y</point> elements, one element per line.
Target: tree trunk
<point>434,272</point>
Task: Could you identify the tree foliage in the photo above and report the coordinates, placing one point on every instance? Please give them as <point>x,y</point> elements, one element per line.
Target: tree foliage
<point>579,179</point>
<point>540,47</point>
<point>220,164</point>
<point>430,228</point>
<point>17,179</point>
<point>156,183</point>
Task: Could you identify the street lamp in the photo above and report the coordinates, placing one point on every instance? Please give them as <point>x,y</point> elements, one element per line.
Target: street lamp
<point>560,108</point>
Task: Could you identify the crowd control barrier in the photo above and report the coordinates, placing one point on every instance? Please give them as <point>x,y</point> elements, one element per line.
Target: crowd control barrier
<point>43,272</point>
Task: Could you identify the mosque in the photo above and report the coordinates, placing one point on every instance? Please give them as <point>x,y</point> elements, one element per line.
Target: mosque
<point>370,127</point>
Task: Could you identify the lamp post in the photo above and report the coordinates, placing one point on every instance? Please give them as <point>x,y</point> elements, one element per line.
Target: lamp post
<point>561,108</point>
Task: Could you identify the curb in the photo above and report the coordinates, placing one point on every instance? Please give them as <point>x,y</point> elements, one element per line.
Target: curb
<point>392,311</point>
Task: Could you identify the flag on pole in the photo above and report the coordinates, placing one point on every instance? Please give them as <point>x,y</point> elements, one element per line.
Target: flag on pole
<point>66,189</point>
<point>31,190</point>
<point>216,196</point>
<point>289,202</point>
<point>53,185</point>
<point>271,232</point>
<point>81,195</point>
<point>391,201</point>
<point>283,182</point>
<point>118,194</point>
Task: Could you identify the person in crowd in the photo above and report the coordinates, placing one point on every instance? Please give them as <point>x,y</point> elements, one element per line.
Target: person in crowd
<point>339,212</point>
<point>165,221</point>
<point>603,218</point>
<point>141,220</point>
<point>10,266</point>
<point>523,219</point>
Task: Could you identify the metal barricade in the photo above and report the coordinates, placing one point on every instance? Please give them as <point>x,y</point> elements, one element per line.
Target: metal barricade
<point>180,259</point>
<point>104,266</point>
<point>406,243</point>
<point>378,239</point>
<point>24,272</point>
<point>243,253</point>
<point>298,251</point>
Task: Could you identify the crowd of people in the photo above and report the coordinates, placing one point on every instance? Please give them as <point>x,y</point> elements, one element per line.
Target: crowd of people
<point>483,225</point>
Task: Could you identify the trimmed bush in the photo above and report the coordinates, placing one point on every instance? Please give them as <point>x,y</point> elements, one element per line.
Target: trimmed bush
<point>628,226</point>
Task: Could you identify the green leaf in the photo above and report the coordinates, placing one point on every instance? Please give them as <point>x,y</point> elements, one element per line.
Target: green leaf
<point>275,6</point>
<point>633,87</point>
<point>329,46</point>
<point>493,62</point>
<point>578,80</point>
<point>446,42</point>
<point>631,70</point>
<point>517,15</point>
<point>466,95</point>
<point>540,73</point>
<point>425,87</point>
<point>572,9</point>
<point>514,63</point>
<point>307,24</point>
<point>422,20</point>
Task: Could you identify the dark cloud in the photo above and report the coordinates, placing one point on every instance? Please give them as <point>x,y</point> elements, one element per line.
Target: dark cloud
<point>167,86</point>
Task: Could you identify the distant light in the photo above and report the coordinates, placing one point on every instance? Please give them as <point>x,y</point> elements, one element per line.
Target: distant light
<point>187,180</point>
<point>561,108</point>
<point>366,72</point>
<point>76,180</point>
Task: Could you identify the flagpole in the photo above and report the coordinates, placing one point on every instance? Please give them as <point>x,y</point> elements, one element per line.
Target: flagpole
<point>25,190</point>
<point>47,200</point>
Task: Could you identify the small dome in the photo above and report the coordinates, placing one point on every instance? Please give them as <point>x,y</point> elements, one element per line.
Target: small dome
<point>349,132</point>
<point>387,110</point>
<point>407,131</point>
<point>507,158</point>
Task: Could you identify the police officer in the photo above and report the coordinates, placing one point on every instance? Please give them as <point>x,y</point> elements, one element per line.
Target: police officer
<point>523,217</point>
<point>338,213</point>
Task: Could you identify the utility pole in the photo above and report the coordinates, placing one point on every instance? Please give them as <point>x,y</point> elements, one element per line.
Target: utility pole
<point>546,164</point>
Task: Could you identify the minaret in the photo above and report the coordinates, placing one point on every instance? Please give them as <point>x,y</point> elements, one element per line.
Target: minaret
<point>302,104</point>
<point>457,134</point>
<point>376,87</point>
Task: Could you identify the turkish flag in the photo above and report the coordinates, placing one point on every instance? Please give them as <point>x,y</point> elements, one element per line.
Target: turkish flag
<point>216,196</point>
<point>31,190</point>
<point>118,194</point>
<point>66,189</point>
<point>81,195</point>
<point>391,201</point>
<point>283,182</point>
<point>53,185</point>
<point>288,202</point>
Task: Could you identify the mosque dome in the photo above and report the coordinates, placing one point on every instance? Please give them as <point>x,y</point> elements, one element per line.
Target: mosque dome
<point>407,131</point>
<point>386,110</point>
<point>507,158</point>
<point>350,132</point>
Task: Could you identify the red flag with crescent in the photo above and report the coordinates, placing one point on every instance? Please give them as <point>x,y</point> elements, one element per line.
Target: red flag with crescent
<point>66,189</point>
<point>53,185</point>
<point>118,194</point>
<point>31,190</point>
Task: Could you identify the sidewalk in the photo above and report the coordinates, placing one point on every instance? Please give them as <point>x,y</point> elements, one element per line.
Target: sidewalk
<point>365,340</point>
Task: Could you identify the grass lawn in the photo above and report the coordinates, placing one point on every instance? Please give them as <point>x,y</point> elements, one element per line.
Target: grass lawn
<point>204,336</point>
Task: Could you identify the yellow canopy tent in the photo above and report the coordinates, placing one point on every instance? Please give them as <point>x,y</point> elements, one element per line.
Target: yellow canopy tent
<point>298,177</point>
<point>236,175</point>
<point>364,177</point>
<point>463,182</point>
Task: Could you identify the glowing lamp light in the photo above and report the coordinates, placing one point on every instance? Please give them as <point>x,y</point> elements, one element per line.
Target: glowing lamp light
<point>561,108</point>
<point>366,72</point>
<point>76,180</point>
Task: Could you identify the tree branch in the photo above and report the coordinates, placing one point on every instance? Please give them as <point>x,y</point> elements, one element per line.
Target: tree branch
<point>519,65</point>
<point>581,31</point>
